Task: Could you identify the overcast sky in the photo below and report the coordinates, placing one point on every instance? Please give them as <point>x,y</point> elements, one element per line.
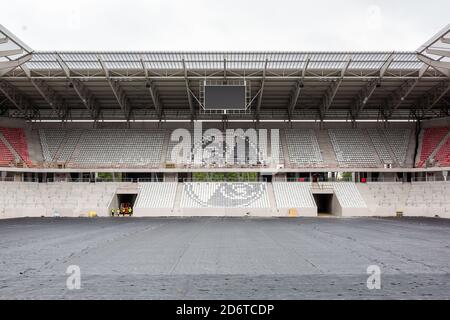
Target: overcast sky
<point>225,24</point>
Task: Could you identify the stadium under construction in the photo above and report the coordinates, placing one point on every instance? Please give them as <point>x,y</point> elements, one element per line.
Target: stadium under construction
<point>272,134</point>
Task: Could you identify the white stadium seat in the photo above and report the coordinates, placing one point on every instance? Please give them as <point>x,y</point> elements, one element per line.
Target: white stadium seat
<point>156,195</point>
<point>108,147</point>
<point>293,195</point>
<point>225,195</point>
<point>352,148</point>
<point>303,147</point>
<point>348,195</point>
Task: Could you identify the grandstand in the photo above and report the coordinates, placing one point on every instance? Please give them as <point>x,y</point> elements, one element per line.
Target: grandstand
<point>336,133</point>
<point>102,147</point>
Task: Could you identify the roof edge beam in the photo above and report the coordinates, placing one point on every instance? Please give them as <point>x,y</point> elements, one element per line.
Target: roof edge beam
<point>6,66</point>
<point>438,52</point>
<point>445,40</point>
<point>441,66</point>
<point>12,52</point>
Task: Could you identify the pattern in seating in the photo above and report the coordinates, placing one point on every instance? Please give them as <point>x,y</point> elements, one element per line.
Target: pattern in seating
<point>70,143</point>
<point>156,195</point>
<point>398,140</point>
<point>303,148</point>
<point>349,195</point>
<point>225,195</point>
<point>431,139</point>
<point>390,141</point>
<point>17,140</point>
<point>352,148</point>
<point>380,145</point>
<point>51,140</point>
<point>293,195</point>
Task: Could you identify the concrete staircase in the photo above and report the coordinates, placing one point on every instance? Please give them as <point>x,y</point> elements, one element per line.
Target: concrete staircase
<point>77,146</point>
<point>34,145</point>
<point>72,138</point>
<point>419,148</point>
<point>395,161</point>
<point>373,150</point>
<point>60,148</point>
<point>76,151</point>
<point>409,158</point>
<point>177,201</point>
<point>284,148</point>
<point>271,196</point>
<point>164,149</point>
<point>326,148</point>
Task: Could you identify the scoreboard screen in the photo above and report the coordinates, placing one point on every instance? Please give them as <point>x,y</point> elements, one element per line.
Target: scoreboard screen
<point>225,97</point>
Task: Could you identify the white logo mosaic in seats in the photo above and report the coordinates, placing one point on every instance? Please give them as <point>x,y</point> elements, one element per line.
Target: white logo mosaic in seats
<point>223,194</point>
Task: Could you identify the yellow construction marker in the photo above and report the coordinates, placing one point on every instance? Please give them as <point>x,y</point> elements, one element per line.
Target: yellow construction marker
<point>92,214</point>
<point>293,212</point>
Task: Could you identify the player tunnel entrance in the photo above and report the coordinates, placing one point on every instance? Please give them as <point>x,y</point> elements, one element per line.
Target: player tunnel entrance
<point>324,202</point>
<point>124,204</point>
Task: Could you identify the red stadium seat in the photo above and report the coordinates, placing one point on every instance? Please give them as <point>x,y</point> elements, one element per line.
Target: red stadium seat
<point>431,139</point>
<point>16,138</point>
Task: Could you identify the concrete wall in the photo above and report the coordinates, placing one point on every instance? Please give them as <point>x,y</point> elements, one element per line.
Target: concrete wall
<point>301,212</point>
<point>399,204</point>
<point>47,200</point>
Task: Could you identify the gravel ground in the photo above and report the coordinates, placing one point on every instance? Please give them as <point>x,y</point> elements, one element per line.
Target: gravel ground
<point>225,258</point>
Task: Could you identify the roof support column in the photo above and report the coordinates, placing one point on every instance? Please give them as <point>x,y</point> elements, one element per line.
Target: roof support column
<point>188,91</point>
<point>261,91</point>
<point>298,87</point>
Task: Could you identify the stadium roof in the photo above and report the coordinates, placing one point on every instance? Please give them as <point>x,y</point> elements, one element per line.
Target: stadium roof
<point>168,85</point>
